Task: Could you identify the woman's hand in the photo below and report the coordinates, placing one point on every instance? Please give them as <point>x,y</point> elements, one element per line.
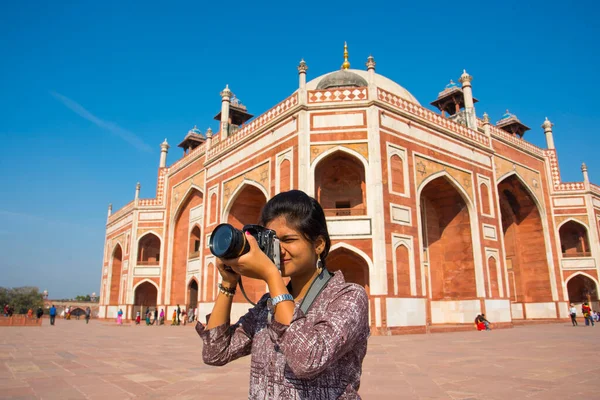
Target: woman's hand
<point>229,276</point>
<point>254,264</point>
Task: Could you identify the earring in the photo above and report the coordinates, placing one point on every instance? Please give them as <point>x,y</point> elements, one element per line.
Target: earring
<point>319,264</point>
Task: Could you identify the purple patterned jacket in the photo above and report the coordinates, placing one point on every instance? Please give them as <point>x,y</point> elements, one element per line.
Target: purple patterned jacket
<point>318,356</point>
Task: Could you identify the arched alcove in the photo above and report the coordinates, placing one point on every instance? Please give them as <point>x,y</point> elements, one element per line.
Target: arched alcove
<point>574,240</point>
<point>148,250</point>
<point>340,185</point>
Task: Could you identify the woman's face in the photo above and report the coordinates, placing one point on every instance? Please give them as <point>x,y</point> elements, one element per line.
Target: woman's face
<point>298,255</point>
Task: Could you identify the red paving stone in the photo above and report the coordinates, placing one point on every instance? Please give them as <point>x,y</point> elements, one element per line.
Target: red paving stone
<point>73,360</point>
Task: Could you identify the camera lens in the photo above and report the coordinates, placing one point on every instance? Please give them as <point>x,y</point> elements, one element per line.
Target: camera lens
<point>228,242</point>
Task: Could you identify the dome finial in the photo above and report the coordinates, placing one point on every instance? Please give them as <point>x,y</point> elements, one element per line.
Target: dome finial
<point>346,64</point>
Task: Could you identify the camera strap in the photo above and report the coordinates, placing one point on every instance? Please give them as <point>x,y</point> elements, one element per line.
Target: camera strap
<point>316,287</point>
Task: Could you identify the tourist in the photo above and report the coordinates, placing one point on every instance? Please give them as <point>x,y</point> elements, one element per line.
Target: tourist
<point>482,323</point>
<point>183,316</point>
<point>192,314</point>
<point>6,309</point>
<point>40,312</point>
<point>178,314</point>
<point>293,354</point>
<point>120,317</point>
<point>174,318</point>
<point>30,314</point>
<point>573,313</point>
<point>148,316</point>
<point>162,316</point>
<point>88,314</point>
<point>155,316</point>
<point>67,313</point>
<point>137,318</point>
<point>586,310</point>
<point>52,314</point>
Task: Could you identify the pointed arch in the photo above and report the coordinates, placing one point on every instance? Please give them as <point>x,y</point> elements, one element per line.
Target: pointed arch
<point>150,254</point>
<point>526,241</point>
<point>143,281</point>
<point>192,289</point>
<point>574,238</point>
<point>575,294</point>
<point>354,264</point>
<point>236,193</point>
<point>178,238</point>
<point>327,153</point>
<point>471,254</point>
<point>116,269</point>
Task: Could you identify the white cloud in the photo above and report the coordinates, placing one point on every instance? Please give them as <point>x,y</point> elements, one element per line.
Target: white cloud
<point>113,128</point>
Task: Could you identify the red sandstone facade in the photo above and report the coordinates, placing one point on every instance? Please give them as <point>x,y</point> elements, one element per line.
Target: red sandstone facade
<point>439,216</point>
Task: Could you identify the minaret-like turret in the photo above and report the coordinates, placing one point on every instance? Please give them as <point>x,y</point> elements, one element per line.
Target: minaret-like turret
<point>233,113</point>
<point>371,68</point>
<point>584,171</point>
<point>547,126</point>
<point>109,209</point>
<point>164,149</point>
<point>137,192</point>
<point>209,134</point>
<point>225,103</point>
<point>465,79</point>
<point>302,68</point>
<point>486,124</point>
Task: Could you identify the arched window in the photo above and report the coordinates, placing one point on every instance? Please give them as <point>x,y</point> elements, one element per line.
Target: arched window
<point>195,242</point>
<point>574,240</point>
<point>340,185</point>
<point>149,250</point>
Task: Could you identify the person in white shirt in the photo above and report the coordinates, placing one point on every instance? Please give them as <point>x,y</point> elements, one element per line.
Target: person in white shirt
<point>573,312</point>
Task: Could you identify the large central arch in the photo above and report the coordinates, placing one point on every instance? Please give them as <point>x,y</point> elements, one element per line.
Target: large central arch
<point>243,209</point>
<point>447,240</point>
<point>525,246</point>
<point>115,279</point>
<point>181,245</point>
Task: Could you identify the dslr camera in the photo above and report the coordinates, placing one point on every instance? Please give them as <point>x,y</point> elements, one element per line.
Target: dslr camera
<point>229,242</point>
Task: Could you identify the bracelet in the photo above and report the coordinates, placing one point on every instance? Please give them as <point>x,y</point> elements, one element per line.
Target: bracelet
<point>229,292</point>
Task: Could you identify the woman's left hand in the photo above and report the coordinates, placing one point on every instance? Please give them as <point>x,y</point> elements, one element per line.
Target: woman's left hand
<point>254,264</point>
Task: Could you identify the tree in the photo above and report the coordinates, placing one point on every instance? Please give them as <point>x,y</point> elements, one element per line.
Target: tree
<point>21,299</point>
<point>83,298</point>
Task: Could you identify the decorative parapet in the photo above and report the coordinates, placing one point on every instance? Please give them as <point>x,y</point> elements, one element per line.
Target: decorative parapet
<point>515,140</point>
<point>160,189</point>
<point>123,211</point>
<point>559,186</point>
<point>253,126</point>
<point>190,156</point>
<point>338,95</point>
<point>428,115</point>
<point>595,189</point>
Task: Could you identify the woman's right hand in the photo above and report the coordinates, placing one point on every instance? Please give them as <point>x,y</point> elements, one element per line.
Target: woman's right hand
<point>229,276</point>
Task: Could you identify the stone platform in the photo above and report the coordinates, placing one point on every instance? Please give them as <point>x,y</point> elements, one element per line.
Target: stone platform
<point>72,360</point>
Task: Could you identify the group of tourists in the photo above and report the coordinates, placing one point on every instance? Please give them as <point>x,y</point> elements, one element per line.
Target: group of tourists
<point>481,323</point>
<point>153,317</point>
<point>589,315</point>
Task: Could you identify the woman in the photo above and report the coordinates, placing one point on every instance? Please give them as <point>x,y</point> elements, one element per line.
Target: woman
<point>148,316</point>
<point>120,317</point>
<point>162,316</point>
<point>88,314</point>
<point>293,354</point>
<point>30,313</point>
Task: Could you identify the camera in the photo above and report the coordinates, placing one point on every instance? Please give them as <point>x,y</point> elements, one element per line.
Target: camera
<point>229,242</point>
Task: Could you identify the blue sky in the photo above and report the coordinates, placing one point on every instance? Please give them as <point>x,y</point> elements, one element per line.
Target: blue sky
<point>89,90</point>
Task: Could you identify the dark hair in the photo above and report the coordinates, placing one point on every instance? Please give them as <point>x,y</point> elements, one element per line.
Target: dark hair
<point>302,212</point>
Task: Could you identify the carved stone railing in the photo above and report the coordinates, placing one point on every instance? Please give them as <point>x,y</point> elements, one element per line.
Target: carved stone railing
<point>253,126</point>
<point>595,189</point>
<point>127,208</point>
<point>517,141</point>
<point>578,254</point>
<point>147,263</point>
<point>344,212</point>
<point>160,190</point>
<point>430,116</point>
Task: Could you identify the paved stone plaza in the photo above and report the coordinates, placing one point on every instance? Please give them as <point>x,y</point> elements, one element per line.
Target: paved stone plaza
<point>73,360</point>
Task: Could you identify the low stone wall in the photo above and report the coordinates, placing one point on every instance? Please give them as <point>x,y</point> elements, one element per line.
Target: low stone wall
<point>20,320</point>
